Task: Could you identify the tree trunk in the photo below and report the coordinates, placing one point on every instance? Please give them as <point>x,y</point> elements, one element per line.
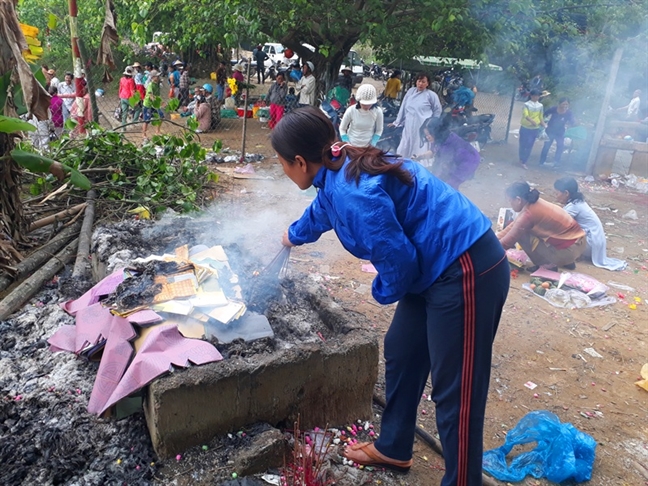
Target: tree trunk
<point>327,68</point>
<point>13,225</point>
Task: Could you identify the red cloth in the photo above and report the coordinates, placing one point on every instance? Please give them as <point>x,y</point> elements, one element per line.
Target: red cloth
<point>126,88</point>
<point>140,89</point>
<point>276,113</point>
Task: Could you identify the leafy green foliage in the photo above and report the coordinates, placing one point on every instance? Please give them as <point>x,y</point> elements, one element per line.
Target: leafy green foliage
<point>11,125</point>
<point>168,172</point>
<point>43,165</point>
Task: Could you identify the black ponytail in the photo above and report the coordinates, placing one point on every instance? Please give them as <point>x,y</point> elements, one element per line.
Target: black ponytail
<point>570,185</point>
<point>308,132</point>
<point>523,191</point>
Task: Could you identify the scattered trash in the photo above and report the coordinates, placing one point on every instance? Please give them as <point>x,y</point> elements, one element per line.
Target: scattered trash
<point>578,281</point>
<point>571,299</point>
<point>589,178</point>
<point>247,169</point>
<point>592,352</point>
<point>643,383</point>
<point>362,289</point>
<point>518,258</point>
<point>619,249</point>
<point>272,479</point>
<point>620,286</point>
<point>368,268</point>
<point>639,184</point>
<point>632,214</point>
<point>530,385</point>
<point>562,452</point>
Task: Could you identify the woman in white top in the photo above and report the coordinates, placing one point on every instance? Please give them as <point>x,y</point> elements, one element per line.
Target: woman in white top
<point>362,123</point>
<point>575,205</point>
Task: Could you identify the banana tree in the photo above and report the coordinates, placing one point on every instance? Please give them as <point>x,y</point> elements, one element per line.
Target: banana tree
<point>18,43</point>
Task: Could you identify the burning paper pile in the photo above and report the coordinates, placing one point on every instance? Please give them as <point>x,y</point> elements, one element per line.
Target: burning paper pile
<point>141,320</point>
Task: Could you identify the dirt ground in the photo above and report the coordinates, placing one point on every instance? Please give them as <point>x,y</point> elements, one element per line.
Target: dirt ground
<point>536,342</point>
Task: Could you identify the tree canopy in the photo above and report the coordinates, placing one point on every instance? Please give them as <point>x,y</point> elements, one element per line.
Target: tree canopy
<point>524,36</point>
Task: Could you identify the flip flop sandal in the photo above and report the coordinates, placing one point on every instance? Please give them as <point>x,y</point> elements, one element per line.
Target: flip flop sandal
<point>376,459</point>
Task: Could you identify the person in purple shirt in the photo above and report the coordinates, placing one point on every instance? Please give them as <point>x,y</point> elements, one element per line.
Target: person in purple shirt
<point>455,160</point>
<point>561,116</point>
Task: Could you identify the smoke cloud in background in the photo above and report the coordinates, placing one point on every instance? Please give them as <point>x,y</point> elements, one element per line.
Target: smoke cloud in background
<point>253,219</point>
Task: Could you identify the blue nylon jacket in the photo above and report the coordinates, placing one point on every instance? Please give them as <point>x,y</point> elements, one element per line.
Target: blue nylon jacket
<point>411,234</point>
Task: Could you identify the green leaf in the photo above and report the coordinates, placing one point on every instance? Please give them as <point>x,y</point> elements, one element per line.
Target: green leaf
<point>192,123</point>
<point>52,21</point>
<point>11,125</point>
<point>217,146</point>
<point>70,124</point>
<point>38,164</point>
<point>134,100</point>
<point>173,104</point>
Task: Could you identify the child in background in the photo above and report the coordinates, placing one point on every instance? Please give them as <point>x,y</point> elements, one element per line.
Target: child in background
<point>291,100</point>
<point>532,121</point>
<point>277,97</point>
<point>152,93</point>
<point>574,203</point>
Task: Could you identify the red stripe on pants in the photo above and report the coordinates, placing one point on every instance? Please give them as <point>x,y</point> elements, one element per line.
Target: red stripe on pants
<point>467,367</point>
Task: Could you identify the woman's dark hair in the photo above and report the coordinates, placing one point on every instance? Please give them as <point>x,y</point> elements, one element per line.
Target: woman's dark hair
<point>309,133</point>
<point>523,191</point>
<point>570,185</point>
<point>563,99</point>
<point>439,128</point>
<point>423,75</point>
<point>395,74</point>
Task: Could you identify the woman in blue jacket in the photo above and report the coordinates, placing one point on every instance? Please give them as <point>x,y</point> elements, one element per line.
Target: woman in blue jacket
<point>436,255</point>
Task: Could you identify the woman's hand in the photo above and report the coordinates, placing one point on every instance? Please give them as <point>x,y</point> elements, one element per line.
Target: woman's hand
<point>285,241</point>
<point>391,125</point>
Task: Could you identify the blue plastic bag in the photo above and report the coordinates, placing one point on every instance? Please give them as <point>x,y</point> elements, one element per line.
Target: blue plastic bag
<point>562,452</point>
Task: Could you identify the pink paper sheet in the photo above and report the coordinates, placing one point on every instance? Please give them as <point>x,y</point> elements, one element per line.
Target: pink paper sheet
<point>145,317</point>
<point>93,324</point>
<point>116,356</point>
<point>63,340</point>
<point>163,347</point>
<point>104,287</point>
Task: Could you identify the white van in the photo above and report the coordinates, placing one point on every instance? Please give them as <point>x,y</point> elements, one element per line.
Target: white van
<point>274,51</point>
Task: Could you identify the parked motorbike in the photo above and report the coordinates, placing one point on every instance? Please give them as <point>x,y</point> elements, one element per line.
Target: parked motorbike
<point>391,136</point>
<point>377,72</point>
<point>478,128</point>
<point>334,110</point>
<point>389,107</point>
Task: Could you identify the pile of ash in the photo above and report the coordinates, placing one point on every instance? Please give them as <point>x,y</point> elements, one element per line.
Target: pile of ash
<point>47,436</point>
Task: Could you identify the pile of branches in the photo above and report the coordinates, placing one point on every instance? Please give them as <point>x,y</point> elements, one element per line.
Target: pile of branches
<point>166,173</point>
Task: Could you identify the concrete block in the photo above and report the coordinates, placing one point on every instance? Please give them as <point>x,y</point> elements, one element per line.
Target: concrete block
<point>325,383</point>
<point>266,451</point>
